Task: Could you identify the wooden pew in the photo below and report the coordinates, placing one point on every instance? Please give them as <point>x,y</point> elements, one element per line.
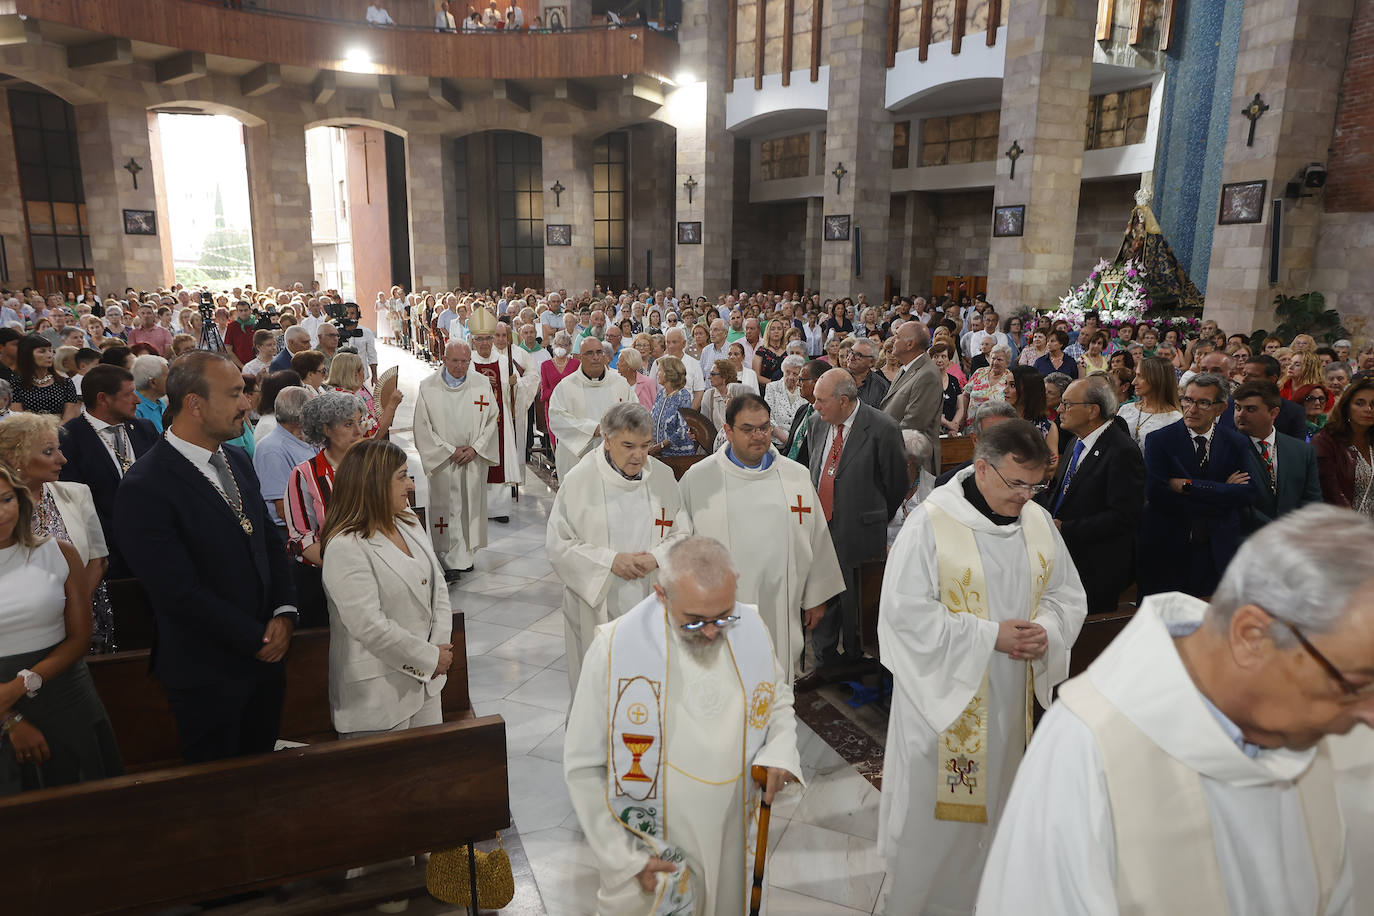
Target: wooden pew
<point>954,451</point>
<point>169,834</point>
<point>679,464</point>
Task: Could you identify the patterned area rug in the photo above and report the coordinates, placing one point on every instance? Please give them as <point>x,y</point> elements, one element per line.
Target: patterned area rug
<point>857,734</point>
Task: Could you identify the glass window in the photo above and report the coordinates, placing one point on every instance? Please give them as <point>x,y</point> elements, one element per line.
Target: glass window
<point>1118,118</point>
<point>959,139</point>
<point>520,203</point>
<point>50,180</point>
<point>610,155</point>
<point>785,157</point>
<point>44,252</point>
<point>460,168</point>
<point>901,144</point>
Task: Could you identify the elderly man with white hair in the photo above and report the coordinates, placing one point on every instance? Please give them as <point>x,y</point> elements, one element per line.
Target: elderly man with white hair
<point>613,520</point>
<point>150,384</point>
<point>297,340</point>
<point>675,342</point>
<point>679,700</point>
<point>1186,770</point>
<point>281,449</point>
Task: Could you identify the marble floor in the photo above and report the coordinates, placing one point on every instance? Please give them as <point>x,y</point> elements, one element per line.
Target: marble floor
<point>823,850</point>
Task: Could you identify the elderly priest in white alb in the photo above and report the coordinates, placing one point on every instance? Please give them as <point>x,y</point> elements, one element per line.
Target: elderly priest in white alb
<point>614,518</point>
<point>677,701</point>
<point>1186,770</point>
<point>765,509</point>
<point>577,403</point>
<point>980,597</point>
<point>455,434</point>
<point>512,394</point>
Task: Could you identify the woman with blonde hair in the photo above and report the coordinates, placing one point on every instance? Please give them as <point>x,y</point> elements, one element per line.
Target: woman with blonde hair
<point>389,615</point>
<point>1304,368</point>
<point>56,728</point>
<point>1156,404</point>
<point>346,374</point>
<point>768,355</point>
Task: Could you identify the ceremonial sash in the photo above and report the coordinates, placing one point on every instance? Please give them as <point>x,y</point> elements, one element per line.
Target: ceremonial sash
<point>637,689</point>
<point>962,748</point>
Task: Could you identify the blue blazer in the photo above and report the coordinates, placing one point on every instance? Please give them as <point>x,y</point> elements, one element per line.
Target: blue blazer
<point>1198,531</point>
<point>88,462</point>
<point>212,587</point>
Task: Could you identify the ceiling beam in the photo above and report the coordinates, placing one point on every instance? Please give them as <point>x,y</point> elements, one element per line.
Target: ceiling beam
<point>445,95</point>
<point>642,87</point>
<point>15,30</point>
<point>576,94</point>
<point>506,91</point>
<point>180,68</point>
<point>260,80</point>
<point>322,90</point>
<point>99,53</point>
<point>386,90</point>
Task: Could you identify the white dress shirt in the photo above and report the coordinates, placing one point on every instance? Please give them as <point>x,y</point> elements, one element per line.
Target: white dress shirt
<point>1272,439</point>
<point>100,427</point>
<point>379,16</point>
<point>848,425</point>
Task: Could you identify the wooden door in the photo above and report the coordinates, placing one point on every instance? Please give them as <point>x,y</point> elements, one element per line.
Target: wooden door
<point>63,281</point>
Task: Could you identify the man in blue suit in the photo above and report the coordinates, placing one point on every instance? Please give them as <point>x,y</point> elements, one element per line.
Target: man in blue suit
<point>1197,488</point>
<point>1283,468</point>
<point>196,534</point>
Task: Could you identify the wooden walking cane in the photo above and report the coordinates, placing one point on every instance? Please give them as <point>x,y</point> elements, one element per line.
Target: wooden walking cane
<point>760,775</point>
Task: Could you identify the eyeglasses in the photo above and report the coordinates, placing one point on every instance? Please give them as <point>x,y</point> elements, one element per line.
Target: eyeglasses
<point>1063,403</point>
<point>1034,489</point>
<point>720,623</point>
<point>1347,688</point>
<point>1314,399</point>
<point>1202,403</point>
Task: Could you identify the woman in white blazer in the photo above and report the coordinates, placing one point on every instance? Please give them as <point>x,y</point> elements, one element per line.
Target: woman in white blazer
<point>63,509</point>
<point>389,617</point>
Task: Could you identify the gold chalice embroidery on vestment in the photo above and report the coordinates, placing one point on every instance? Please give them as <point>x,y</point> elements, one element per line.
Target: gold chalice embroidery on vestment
<point>637,744</point>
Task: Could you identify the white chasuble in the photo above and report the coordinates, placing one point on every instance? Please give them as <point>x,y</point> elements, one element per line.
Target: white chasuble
<point>575,410</point>
<point>596,514</point>
<point>1138,797</point>
<point>941,661</point>
<point>659,748</point>
<point>445,420</point>
<point>748,511</point>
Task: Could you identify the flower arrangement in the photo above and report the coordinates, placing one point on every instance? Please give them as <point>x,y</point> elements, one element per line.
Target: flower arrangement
<point>1128,303</point>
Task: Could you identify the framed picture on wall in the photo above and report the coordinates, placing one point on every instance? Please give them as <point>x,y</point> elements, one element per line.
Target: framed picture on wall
<point>1242,202</point>
<point>555,18</point>
<point>837,228</point>
<point>140,222</point>
<point>689,233</point>
<point>558,235</point>
<point>1009,222</point>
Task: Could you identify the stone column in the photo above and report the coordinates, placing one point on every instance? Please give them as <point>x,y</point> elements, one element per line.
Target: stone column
<point>1044,105</point>
<point>279,200</point>
<point>858,134</point>
<point>568,161</point>
<point>1298,74</point>
<point>815,228</point>
<point>108,136</point>
<point>14,229</point>
<point>431,193</point>
<point>918,245</point>
<point>705,151</point>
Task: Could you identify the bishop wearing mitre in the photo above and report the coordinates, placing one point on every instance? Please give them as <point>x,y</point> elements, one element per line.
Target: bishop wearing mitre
<point>455,434</point>
<point>513,390</point>
<point>614,518</point>
<point>980,605</point>
<point>578,401</point>
<point>678,701</point>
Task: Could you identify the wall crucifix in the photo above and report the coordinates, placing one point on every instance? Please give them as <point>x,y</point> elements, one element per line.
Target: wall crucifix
<point>839,172</point>
<point>133,168</point>
<point>1253,111</point>
<point>691,185</point>
<point>1013,153</point>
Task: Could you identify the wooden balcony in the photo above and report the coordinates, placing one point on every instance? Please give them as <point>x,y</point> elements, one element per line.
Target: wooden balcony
<point>121,30</point>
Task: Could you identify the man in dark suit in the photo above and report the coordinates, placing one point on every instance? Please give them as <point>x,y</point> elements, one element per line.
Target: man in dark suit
<point>795,447</point>
<point>103,443</point>
<point>1292,419</point>
<point>858,464</point>
<point>914,400</point>
<point>1284,468</point>
<point>1098,493</point>
<point>215,568</point>
<point>1197,487</point>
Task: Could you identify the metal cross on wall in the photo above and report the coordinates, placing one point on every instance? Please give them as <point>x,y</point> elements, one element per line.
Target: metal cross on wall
<point>1253,111</point>
<point>557,189</point>
<point>839,172</point>
<point>1013,153</point>
<point>133,168</point>
<point>691,185</point>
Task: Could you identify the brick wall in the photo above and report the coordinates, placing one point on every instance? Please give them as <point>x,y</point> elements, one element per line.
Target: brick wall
<point>1104,207</point>
<point>1350,185</point>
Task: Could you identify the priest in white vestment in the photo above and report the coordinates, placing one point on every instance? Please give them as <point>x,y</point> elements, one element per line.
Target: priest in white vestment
<point>513,390</point>
<point>1188,769</point>
<point>764,508</point>
<point>578,401</point>
<point>979,594</point>
<point>613,520</point>
<point>677,701</point>
<point>455,434</point>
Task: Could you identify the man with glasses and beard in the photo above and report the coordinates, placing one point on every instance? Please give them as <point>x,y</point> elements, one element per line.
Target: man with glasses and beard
<point>674,696</point>
<point>980,601</point>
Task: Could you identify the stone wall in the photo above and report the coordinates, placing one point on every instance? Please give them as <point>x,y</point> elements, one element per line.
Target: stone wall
<point>1104,207</point>
<point>651,203</point>
<point>14,229</point>
<point>770,239</point>
<point>1350,187</point>
<point>1344,271</point>
<point>963,231</point>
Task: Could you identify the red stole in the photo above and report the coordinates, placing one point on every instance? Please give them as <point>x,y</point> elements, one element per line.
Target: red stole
<point>497,472</point>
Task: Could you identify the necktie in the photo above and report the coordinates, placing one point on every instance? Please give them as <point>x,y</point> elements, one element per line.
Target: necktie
<point>1200,443</point>
<point>229,489</point>
<point>832,464</point>
<point>801,433</point>
<point>1268,462</point>
<point>1068,474</point>
<point>121,449</point>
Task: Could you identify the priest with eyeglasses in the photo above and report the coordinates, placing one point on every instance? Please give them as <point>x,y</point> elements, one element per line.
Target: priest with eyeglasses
<point>1195,767</point>
<point>980,605</point>
<point>678,700</point>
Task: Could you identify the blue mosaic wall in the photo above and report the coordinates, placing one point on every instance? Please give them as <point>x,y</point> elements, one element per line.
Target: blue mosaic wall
<point>1199,72</point>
